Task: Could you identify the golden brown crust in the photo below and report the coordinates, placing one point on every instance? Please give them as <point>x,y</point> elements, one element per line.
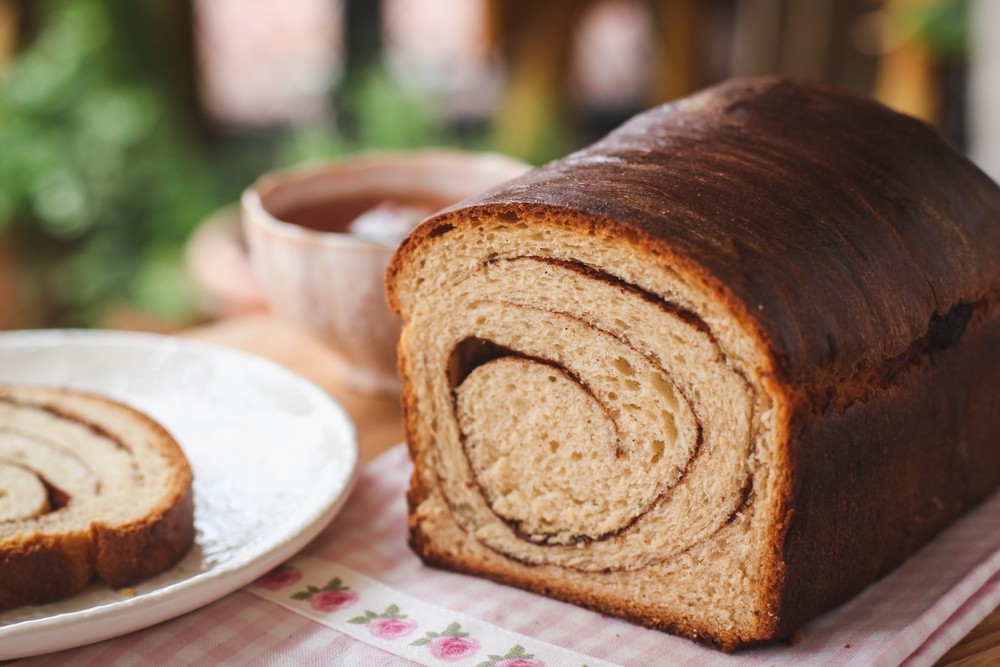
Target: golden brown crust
<point>876,482</point>
<point>129,554</point>
<point>861,252</point>
<point>841,178</point>
<point>45,566</point>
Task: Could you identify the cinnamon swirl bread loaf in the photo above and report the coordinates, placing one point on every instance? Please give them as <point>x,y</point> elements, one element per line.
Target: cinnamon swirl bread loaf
<point>714,374</point>
<point>87,485</point>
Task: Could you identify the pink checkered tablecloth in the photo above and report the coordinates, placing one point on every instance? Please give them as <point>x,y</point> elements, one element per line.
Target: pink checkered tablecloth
<point>329,607</point>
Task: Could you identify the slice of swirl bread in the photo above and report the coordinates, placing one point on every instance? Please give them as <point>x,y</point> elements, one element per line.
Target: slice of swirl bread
<point>87,485</point>
<point>715,373</point>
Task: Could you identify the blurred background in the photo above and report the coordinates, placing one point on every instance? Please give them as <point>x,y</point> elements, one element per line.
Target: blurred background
<point>127,127</point>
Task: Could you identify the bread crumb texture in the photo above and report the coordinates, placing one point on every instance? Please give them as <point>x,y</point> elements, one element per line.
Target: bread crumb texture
<point>87,486</point>
<point>641,379</point>
<point>585,425</point>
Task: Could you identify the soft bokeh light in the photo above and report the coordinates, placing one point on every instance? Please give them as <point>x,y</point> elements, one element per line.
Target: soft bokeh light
<point>125,126</point>
<point>268,61</point>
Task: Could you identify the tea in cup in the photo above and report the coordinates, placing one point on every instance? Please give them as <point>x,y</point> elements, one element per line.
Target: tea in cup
<point>321,236</point>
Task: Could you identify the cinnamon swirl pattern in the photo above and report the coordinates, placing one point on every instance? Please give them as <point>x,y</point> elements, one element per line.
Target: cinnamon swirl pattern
<point>582,436</point>
<point>715,373</point>
<point>87,486</point>
<point>573,410</point>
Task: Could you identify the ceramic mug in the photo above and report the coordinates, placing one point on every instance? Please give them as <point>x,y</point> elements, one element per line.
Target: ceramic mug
<point>322,271</point>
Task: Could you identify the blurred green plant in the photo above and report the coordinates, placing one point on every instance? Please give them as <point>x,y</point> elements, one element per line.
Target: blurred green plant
<point>942,26</point>
<point>375,112</point>
<point>100,180</point>
<point>104,170</point>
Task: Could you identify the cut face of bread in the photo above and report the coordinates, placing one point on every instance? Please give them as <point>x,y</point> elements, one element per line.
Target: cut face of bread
<point>87,486</point>
<point>682,376</point>
<point>22,493</point>
<point>582,423</point>
<point>606,433</point>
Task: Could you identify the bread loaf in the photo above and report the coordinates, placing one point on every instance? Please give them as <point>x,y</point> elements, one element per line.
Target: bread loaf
<point>87,485</point>
<point>714,374</point>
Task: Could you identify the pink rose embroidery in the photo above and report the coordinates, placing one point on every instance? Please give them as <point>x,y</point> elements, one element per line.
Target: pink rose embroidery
<point>279,578</point>
<point>452,649</point>
<point>516,657</point>
<point>330,598</point>
<point>391,628</point>
<point>390,624</point>
<point>451,645</point>
<point>331,601</point>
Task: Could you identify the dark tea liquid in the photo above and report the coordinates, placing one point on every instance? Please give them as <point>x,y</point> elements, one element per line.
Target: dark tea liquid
<point>337,216</point>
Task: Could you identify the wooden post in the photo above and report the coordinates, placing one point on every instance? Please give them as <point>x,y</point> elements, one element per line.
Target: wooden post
<point>984,87</point>
<point>678,65</point>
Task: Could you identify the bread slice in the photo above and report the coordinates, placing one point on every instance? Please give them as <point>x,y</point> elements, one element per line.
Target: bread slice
<point>714,374</point>
<point>87,485</point>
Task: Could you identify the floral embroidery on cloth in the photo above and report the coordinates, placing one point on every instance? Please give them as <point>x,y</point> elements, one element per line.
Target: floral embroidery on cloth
<point>279,577</point>
<point>450,645</point>
<point>332,597</point>
<point>390,624</point>
<point>516,657</point>
<point>908,619</point>
<point>462,642</point>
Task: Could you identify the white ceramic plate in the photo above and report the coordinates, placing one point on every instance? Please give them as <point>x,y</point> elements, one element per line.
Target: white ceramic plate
<point>273,459</point>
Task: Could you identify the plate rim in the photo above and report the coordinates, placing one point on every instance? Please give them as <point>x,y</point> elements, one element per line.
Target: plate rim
<point>86,626</point>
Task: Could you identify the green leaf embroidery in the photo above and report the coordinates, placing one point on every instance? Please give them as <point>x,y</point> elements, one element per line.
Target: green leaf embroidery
<point>455,630</point>
<point>359,620</point>
<point>336,584</point>
<point>518,652</point>
<point>392,611</point>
